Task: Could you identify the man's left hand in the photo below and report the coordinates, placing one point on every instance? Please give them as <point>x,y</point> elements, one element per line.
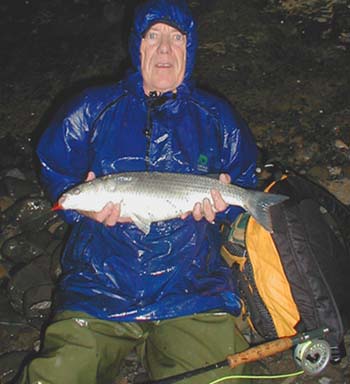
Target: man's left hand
<point>205,209</point>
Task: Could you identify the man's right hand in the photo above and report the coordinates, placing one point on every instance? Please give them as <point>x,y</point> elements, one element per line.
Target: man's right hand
<point>109,215</point>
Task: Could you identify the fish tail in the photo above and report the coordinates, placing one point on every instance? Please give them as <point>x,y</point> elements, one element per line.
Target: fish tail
<point>259,204</point>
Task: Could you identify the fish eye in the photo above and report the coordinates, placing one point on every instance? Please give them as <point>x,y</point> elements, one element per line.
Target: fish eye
<point>77,191</point>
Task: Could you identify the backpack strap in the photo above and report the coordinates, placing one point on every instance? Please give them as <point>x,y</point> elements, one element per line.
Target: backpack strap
<point>233,248</point>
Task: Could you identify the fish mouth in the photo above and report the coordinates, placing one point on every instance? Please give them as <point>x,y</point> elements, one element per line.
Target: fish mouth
<point>59,204</point>
<point>57,207</point>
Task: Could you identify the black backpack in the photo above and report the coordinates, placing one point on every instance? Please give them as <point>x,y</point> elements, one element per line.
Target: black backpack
<point>296,279</point>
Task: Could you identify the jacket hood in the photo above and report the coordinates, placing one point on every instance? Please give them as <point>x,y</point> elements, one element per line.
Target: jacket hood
<point>173,12</point>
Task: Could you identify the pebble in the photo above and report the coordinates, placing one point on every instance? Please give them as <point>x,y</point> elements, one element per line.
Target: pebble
<point>335,171</point>
<point>340,144</point>
<point>325,380</point>
<point>339,188</point>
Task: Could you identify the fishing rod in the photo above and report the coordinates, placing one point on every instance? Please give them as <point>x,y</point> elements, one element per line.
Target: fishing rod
<point>312,357</point>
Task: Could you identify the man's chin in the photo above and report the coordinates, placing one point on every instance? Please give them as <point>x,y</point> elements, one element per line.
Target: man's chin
<point>165,85</point>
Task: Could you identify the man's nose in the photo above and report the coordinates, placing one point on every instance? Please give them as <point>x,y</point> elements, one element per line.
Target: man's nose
<point>164,45</point>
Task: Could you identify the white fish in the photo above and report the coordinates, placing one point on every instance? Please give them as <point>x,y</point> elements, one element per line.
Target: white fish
<point>147,197</point>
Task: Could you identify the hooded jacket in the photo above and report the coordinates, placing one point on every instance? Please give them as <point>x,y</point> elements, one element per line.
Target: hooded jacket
<point>119,273</point>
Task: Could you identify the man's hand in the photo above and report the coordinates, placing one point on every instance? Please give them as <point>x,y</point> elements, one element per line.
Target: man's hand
<point>204,209</point>
<point>109,215</point>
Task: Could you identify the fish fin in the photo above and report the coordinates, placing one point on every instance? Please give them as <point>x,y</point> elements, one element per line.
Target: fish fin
<point>141,224</point>
<point>259,207</point>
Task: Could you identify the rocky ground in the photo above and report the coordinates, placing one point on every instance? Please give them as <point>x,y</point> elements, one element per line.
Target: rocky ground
<point>283,64</point>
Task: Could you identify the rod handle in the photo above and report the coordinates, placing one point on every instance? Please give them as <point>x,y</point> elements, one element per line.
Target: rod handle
<point>259,352</point>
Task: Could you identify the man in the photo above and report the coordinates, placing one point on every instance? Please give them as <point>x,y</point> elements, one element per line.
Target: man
<point>168,293</point>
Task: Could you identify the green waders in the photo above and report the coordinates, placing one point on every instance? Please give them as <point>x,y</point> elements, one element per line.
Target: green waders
<point>79,349</point>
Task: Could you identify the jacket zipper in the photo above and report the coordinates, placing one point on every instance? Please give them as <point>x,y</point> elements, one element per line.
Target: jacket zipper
<point>152,101</point>
<point>148,130</point>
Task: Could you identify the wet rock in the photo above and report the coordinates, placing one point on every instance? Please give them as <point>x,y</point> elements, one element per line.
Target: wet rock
<point>339,188</point>
<point>3,191</point>
<point>340,144</point>
<point>335,172</point>
<point>55,266</point>
<point>344,37</point>
<point>37,301</point>
<point>330,375</point>
<point>10,364</point>
<point>132,370</point>
<point>217,47</point>
<point>18,188</point>
<point>318,172</point>
<point>7,233</point>
<point>14,151</point>
<point>26,214</point>
<point>304,154</point>
<point>33,212</point>
<point>4,274</point>
<point>17,337</point>
<point>15,173</point>
<point>34,274</point>
<point>7,314</point>
<point>322,11</point>
<point>59,229</point>
<point>26,246</point>
<point>5,203</point>
<point>346,170</point>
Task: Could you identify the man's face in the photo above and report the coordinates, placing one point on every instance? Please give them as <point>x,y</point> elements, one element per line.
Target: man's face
<point>163,58</point>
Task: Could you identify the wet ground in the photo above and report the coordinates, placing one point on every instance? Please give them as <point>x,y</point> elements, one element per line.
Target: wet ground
<point>283,64</point>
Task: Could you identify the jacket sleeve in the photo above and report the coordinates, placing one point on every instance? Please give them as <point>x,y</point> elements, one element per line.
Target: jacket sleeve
<point>63,152</point>
<point>239,154</point>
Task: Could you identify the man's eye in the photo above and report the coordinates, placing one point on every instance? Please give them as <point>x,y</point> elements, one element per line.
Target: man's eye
<point>152,35</point>
<point>178,37</point>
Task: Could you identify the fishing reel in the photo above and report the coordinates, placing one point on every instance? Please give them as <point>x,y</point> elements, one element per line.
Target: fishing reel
<point>312,356</point>
<point>311,352</point>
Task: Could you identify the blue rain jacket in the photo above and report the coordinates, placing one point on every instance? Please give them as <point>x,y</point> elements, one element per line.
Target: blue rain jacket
<point>118,273</point>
